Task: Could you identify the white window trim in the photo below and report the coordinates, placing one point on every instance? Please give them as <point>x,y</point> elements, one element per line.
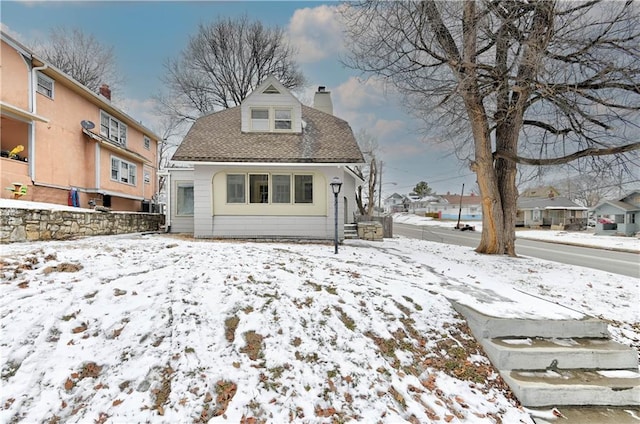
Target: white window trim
<point>121,126</point>
<point>183,184</point>
<point>132,171</point>
<point>146,142</point>
<point>47,79</point>
<point>272,119</point>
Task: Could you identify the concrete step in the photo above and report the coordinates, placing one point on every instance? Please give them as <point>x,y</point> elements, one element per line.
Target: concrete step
<point>351,231</point>
<point>486,327</point>
<point>574,353</point>
<point>575,387</point>
<point>586,415</point>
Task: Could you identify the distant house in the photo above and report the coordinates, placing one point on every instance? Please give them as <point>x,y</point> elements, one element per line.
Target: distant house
<point>63,143</point>
<point>396,203</point>
<point>263,169</point>
<point>450,206</point>
<point>550,211</point>
<point>545,191</point>
<point>626,213</point>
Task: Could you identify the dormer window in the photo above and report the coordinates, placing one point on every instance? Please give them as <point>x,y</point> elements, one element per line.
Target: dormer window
<point>271,119</point>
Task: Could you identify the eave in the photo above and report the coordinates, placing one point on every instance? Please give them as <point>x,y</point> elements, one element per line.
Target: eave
<point>107,144</point>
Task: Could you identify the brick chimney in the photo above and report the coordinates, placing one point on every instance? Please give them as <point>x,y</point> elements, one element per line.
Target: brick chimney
<point>322,100</point>
<point>105,91</point>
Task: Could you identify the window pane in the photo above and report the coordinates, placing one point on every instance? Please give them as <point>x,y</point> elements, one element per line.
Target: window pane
<point>304,188</point>
<point>260,119</point>
<point>115,169</point>
<point>258,189</point>
<point>113,132</point>
<point>235,188</point>
<point>184,201</point>
<point>259,113</point>
<point>123,134</point>
<point>281,189</point>
<point>132,174</point>
<point>283,119</point>
<point>104,125</point>
<point>124,176</point>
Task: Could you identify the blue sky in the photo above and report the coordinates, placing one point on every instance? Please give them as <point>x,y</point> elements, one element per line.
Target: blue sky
<point>145,34</point>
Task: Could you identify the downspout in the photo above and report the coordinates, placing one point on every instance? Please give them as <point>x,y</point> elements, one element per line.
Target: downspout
<point>32,127</point>
<point>167,212</point>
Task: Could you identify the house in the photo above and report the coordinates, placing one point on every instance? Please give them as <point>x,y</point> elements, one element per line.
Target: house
<point>62,143</point>
<point>396,203</point>
<point>544,191</point>
<point>263,169</point>
<point>452,206</point>
<point>550,210</point>
<point>625,212</point>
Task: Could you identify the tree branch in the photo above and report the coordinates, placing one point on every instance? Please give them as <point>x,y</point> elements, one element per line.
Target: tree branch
<point>592,151</point>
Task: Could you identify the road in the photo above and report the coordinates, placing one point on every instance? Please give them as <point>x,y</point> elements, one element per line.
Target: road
<point>623,263</point>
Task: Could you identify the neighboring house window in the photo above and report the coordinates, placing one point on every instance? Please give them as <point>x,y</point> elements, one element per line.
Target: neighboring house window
<point>235,188</point>
<point>147,142</point>
<point>184,199</point>
<point>283,119</point>
<point>304,188</point>
<point>113,129</point>
<point>260,119</point>
<point>147,178</point>
<point>258,188</point>
<point>281,188</point>
<point>45,85</point>
<point>123,171</point>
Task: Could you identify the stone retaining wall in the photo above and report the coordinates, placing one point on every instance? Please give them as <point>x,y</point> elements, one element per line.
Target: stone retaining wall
<point>18,225</point>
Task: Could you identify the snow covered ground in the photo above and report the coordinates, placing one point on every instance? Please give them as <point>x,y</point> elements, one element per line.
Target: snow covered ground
<point>584,238</point>
<point>159,328</point>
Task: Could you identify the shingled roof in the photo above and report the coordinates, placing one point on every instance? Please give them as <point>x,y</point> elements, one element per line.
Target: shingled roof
<point>217,138</point>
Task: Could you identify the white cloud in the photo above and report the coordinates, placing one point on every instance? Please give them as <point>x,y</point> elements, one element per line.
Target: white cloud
<point>355,93</point>
<point>316,33</point>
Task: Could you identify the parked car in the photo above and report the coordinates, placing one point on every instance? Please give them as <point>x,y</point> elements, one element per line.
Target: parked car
<point>605,221</point>
<point>591,222</point>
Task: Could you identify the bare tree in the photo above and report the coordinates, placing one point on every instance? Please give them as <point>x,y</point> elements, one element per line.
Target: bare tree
<point>365,201</point>
<point>81,56</point>
<point>224,62</point>
<point>537,82</point>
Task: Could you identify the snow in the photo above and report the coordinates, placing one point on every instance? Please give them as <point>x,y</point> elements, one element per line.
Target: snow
<point>582,238</point>
<point>164,328</point>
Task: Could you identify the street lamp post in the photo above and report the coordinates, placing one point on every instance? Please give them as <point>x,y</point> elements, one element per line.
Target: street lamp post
<point>336,184</point>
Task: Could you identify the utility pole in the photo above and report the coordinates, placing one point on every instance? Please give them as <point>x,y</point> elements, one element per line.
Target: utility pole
<point>380,190</point>
<point>460,208</point>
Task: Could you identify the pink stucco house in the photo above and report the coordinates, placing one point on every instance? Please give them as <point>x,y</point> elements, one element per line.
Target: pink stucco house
<point>59,137</point>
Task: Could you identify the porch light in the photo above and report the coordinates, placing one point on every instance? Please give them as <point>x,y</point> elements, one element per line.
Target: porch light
<point>336,185</point>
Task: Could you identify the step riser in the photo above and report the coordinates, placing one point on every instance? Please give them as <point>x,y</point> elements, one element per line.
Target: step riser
<point>552,395</point>
<point>507,359</point>
<point>486,327</point>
